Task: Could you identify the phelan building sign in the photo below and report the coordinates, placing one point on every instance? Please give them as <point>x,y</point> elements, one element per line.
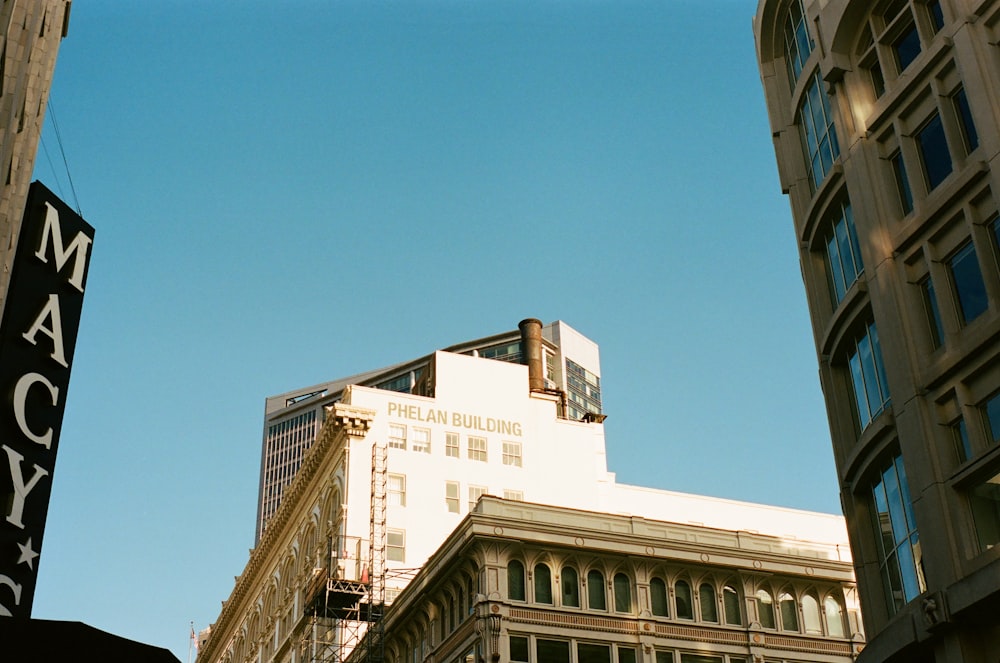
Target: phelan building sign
<point>37,343</point>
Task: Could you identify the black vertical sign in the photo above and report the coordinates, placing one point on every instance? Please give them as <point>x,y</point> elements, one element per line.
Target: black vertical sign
<point>37,340</point>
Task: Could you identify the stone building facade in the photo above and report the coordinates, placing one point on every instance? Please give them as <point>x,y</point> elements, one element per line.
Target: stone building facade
<point>32,33</point>
<point>885,116</point>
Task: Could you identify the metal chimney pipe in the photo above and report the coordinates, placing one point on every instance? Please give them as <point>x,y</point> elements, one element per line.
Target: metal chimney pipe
<point>531,352</point>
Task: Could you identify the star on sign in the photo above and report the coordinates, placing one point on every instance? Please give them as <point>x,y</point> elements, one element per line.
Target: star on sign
<point>27,554</point>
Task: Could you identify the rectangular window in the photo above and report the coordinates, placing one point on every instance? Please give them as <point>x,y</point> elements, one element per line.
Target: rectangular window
<point>969,135</point>
<point>906,47</point>
<point>475,492</point>
<point>477,448</point>
<point>933,314</point>
<point>900,559</point>
<point>551,651</point>
<point>871,390</point>
<point>991,414</point>
<point>397,436</point>
<point>514,495</point>
<point>843,253</point>
<point>970,290</point>
<point>591,653</point>
<point>700,658</point>
<point>518,649</point>
<point>934,154</point>
<point>512,453</point>
<point>451,496</point>
<point>396,489</point>
<point>451,445</point>
<point>626,655</point>
<point>664,656</point>
<point>984,500</point>
<point>937,15</point>
<point>395,545</point>
<point>902,183</point>
<point>960,433</point>
<point>421,440</point>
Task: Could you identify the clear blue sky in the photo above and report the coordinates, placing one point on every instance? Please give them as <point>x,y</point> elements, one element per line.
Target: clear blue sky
<point>289,192</point>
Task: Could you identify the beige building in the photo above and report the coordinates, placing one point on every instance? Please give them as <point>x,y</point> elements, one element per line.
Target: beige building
<point>528,583</point>
<point>32,32</point>
<point>885,118</point>
<point>662,576</point>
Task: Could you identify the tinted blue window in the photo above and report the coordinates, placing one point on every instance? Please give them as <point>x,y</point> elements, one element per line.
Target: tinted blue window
<point>968,281</point>
<point>934,152</point>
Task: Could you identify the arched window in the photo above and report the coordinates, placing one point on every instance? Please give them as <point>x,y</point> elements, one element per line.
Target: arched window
<point>731,605</point>
<point>543,584</point>
<point>765,608</point>
<point>834,617</point>
<point>810,614</point>
<point>706,597</point>
<point>658,597</point>
<point>595,591</point>
<point>452,613</point>
<point>682,600</point>
<point>623,593</point>
<point>461,603</point>
<point>789,612</point>
<point>570,587</point>
<point>515,580</point>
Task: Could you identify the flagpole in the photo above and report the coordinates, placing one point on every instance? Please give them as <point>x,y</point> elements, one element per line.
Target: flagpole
<point>190,642</point>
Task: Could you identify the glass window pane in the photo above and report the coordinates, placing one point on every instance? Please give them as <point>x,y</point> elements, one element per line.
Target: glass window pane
<point>623,593</point>
<point>901,564</point>
<point>984,500</point>
<point>626,655</point>
<point>934,152</point>
<point>810,614</point>
<point>570,587</point>
<point>968,281</point>
<point>902,183</point>
<point>789,612</point>
<point>706,597</point>
<point>969,134</point>
<point>731,604</point>
<point>963,446</point>
<point>682,599</point>
<point>658,597</point>
<point>590,653</point>
<point>834,617</point>
<point>765,609</point>
<point>519,649</point>
<point>991,410</point>
<point>515,580</point>
<point>818,134</point>
<point>595,591</point>
<point>907,47</point>
<point>543,584</point>
<point>932,311</point>
<point>551,651</point>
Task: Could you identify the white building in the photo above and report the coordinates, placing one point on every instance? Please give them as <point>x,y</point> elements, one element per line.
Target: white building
<point>292,420</point>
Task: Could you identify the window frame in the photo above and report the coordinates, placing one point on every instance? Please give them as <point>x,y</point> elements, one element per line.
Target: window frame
<point>476,451</point>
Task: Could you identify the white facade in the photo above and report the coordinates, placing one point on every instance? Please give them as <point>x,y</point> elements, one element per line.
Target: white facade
<point>571,367</point>
<point>549,460</point>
